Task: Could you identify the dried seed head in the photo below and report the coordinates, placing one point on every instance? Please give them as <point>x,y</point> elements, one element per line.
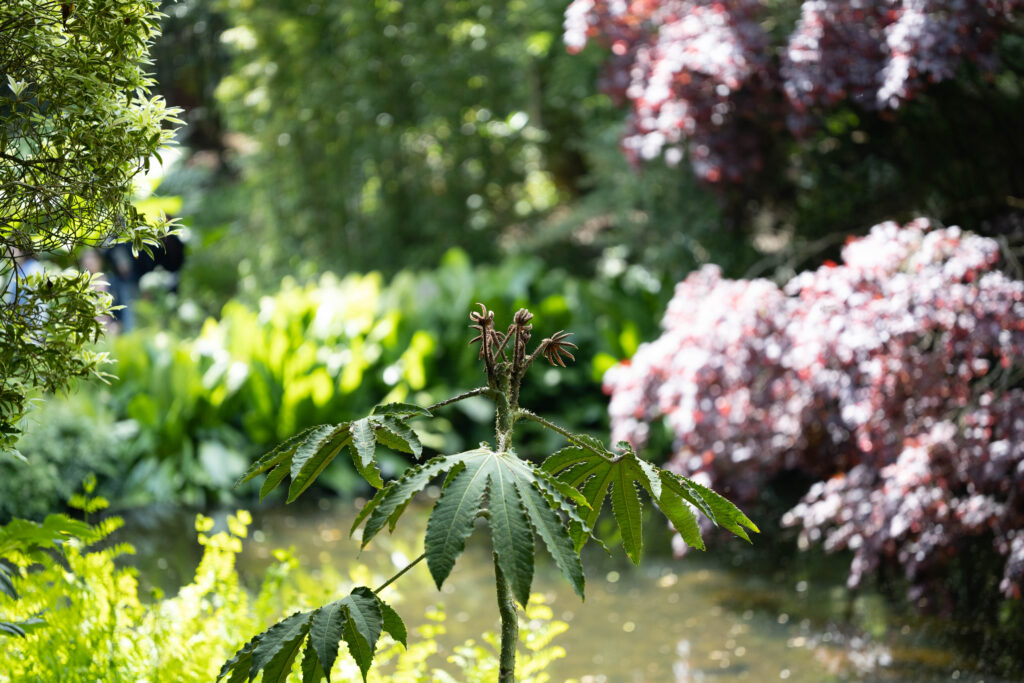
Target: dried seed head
<point>522,317</point>
<point>557,346</point>
<point>484,318</point>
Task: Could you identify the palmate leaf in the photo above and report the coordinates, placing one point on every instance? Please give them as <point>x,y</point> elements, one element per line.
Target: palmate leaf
<point>305,455</point>
<point>521,499</point>
<point>358,619</point>
<point>597,473</point>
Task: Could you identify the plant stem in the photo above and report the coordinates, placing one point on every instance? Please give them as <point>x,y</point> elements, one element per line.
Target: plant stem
<point>509,627</point>
<point>453,399</point>
<point>399,574</point>
<point>564,432</point>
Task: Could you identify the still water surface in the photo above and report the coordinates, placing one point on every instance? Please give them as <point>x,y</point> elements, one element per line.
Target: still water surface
<point>669,621</point>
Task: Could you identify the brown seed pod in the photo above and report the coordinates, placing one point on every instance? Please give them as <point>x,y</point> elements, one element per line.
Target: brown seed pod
<point>557,346</point>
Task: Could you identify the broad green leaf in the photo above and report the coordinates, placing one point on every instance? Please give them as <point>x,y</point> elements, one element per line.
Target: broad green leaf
<point>391,501</point>
<point>362,628</point>
<point>628,510</point>
<point>452,519</point>
<point>314,455</point>
<point>681,516</point>
<point>312,671</point>
<point>511,533</point>
<point>364,446</point>
<point>393,624</point>
<point>278,455</point>
<point>400,409</point>
<point>277,647</point>
<point>325,631</point>
<point>565,458</point>
<point>551,530</point>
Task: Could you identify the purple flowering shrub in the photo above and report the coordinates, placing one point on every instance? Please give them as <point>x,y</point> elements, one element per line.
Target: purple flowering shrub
<point>708,78</point>
<point>893,380</point>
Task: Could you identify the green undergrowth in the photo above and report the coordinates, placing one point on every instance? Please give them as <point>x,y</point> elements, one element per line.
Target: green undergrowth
<point>84,619</point>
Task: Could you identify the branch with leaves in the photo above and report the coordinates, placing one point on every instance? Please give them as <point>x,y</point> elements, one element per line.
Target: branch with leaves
<point>558,501</point>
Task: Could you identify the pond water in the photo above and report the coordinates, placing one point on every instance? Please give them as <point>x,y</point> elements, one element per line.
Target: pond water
<point>669,621</point>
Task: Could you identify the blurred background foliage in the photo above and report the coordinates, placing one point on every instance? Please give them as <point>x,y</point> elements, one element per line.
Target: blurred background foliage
<point>354,176</point>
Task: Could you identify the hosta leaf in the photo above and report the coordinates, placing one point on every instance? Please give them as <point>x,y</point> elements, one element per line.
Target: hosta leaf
<point>452,519</point>
<point>681,516</point>
<point>313,455</point>
<point>362,628</point>
<point>400,409</point>
<point>552,531</point>
<point>325,631</point>
<point>396,435</point>
<point>312,671</point>
<point>277,647</point>
<point>511,533</point>
<point>393,624</point>
<point>364,447</point>
<point>278,455</point>
<point>628,510</point>
<point>391,501</point>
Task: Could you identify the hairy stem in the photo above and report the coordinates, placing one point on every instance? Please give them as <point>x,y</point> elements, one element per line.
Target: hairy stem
<point>563,431</point>
<point>399,574</point>
<point>509,627</point>
<point>469,394</point>
<point>504,411</point>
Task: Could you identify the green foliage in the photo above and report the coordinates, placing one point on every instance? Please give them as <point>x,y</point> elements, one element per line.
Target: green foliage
<point>598,474</point>
<point>77,124</point>
<point>97,627</point>
<point>518,499</point>
<point>65,441</point>
<point>454,119</point>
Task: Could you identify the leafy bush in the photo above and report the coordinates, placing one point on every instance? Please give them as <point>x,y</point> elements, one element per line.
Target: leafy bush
<point>893,379</point>
<point>66,440</point>
<point>824,112</point>
<point>191,411</point>
<point>94,625</point>
<point>559,501</point>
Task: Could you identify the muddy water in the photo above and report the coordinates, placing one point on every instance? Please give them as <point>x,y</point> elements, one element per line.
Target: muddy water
<point>669,621</point>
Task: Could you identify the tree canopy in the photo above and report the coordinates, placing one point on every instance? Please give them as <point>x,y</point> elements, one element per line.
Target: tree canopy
<point>77,124</point>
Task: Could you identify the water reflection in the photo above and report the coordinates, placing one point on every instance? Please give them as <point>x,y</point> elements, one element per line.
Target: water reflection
<point>684,621</point>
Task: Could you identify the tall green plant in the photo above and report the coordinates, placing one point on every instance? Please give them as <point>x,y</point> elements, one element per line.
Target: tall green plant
<point>559,501</point>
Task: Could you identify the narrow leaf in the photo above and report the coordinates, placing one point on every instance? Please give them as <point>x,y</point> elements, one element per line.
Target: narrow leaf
<point>6,586</point>
<point>400,409</point>
<point>393,624</point>
<point>397,494</point>
<point>725,513</point>
<point>240,664</point>
<point>397,435</point>
<point>363,626</point>
<point>452,519</point>
<point>279,454</point>
<point>325,631</point>
<point>312,671</point>
<point>565,458</point>
<point>627,509</point>
<point>314,455</point>
<point>551,530</point>
<point>682,518</point>
<point>364,446</point>
<point>277,646</point>
<point>275,477</point>
<point>510,532</point>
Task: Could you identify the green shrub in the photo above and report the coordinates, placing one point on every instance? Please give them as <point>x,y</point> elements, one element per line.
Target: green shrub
<point>65,440</point>
<point>193,411</point>
<point>97,627</point>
